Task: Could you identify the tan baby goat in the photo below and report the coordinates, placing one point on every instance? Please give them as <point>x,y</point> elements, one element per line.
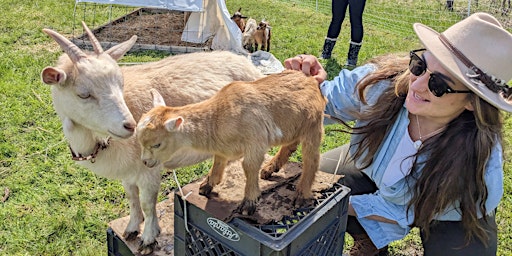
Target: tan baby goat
<point>244,119</point>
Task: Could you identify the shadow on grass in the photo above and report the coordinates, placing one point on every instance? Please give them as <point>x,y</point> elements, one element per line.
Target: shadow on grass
<point>332,67</point>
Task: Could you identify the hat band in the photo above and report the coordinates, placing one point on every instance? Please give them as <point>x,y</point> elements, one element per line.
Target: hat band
<point>476,75</point>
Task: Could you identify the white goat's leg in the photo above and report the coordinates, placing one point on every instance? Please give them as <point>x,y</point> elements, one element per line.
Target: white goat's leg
<point>136,216</point>
<point>149,189</point>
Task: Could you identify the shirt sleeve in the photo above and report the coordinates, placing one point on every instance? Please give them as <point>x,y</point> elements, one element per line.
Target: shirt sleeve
<point>493,178</point>
<point>343,99</point>
<point>381,233</point>
<point>341,93</point>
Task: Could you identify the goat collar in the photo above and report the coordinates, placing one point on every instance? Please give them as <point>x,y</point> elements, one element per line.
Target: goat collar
<point>92,157</point>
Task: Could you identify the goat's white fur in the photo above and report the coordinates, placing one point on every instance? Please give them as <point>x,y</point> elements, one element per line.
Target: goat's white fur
<point>113,98</point>
<point>248,40</point>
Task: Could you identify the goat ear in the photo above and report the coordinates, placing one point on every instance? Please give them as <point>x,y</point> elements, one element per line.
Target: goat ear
<point>173,123</point>
<point>51,75</point>
<point>158,100</point>
<point>118,51</point>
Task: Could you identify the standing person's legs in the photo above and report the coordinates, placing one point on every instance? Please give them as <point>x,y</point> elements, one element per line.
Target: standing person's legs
<point>448,238</point>
<point>338,10</point>
<point>356,9</point>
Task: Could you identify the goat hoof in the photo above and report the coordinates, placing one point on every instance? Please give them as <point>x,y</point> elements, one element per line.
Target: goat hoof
<point>130,235</point>
<point>147,249</point>
<point>247,206</point>
<point>267,171</point>
<point>205,189</point>
<point>265,174</point>
<point>302,202</point>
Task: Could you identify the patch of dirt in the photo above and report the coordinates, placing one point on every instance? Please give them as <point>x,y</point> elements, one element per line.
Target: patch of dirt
<point>152,27</point>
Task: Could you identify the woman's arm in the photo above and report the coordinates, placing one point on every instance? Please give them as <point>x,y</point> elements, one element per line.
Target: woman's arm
<point>351,212</point>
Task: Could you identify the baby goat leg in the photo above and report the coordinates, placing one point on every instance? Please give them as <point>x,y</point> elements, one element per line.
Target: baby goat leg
<point>251,164</point>
<point>214,176</point>
<point>311,158</point>
<point>281,158</point>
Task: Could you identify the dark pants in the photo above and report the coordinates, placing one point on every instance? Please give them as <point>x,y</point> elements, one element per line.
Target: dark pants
<point>339,8</point>
<point>445,238</point>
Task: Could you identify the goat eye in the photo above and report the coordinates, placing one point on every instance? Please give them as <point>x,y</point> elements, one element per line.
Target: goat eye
<point>156,146</point>
<point>84,96</point>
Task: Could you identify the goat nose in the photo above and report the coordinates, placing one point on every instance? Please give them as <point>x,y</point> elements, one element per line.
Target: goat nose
<point>129,126</point>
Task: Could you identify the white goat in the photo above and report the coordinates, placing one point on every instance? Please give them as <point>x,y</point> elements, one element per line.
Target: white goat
<point>248,41</point>
<point>99,104</point>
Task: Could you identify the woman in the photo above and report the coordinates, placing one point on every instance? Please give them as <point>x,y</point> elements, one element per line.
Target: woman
<point>427,142</point>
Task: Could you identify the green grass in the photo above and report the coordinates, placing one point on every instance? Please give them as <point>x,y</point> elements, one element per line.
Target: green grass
<point>56,207</point>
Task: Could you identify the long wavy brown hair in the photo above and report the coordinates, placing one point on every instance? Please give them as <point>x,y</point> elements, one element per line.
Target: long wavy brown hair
<point>454,169</point>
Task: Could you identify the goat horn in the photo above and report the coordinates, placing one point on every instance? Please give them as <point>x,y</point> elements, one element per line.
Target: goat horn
<point>74,53</point>
<point>95,43</point>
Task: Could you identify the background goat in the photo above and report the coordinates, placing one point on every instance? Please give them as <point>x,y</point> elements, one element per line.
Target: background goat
<point>239,19</point>
<point>99,104</point>
<point>248,41</point>
<point>244,119</point>
<point>262,36</point>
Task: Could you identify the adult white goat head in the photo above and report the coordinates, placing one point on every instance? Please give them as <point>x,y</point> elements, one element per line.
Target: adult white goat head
<point>88,89</point>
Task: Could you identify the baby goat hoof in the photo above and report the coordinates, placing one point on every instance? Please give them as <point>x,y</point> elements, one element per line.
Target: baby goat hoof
<point>301,202</point>
<point>147,249</point>
<point>130,235</point>
<point>247,206</point>
<point>205,189</point>
<point>267,171</point>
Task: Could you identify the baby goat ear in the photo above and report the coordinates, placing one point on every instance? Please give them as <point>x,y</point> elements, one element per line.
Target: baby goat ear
<point>158,100</point>
<point>173,123</point>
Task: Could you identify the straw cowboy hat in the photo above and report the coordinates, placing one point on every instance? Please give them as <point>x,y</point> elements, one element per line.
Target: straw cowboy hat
<point>478,52</point>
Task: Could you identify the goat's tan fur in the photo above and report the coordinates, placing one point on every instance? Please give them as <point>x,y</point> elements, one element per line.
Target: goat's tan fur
<point>239,19</point>
<point>96,100</point>
<point>262,36</point>
<point>244,119</point>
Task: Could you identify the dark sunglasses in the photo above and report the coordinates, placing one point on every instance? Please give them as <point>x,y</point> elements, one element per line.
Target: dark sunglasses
<point>437,83</point>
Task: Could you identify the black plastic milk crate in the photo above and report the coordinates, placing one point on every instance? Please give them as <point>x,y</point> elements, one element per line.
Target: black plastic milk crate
<point>115,245</point>
<point>319,230</point>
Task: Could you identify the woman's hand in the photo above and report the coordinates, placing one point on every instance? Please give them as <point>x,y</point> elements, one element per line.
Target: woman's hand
<point>308,64</point>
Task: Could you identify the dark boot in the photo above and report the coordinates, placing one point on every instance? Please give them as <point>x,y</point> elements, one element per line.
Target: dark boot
<point>363,246</point>
<point>328,46</point>
<point>353,53</point>
<point>449,5</point>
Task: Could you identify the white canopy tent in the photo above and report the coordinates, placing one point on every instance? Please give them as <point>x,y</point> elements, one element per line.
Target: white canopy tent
<point>209,18</point>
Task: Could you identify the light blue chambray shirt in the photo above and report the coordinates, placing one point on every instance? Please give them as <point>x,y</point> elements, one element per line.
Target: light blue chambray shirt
<point>391,201</point>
